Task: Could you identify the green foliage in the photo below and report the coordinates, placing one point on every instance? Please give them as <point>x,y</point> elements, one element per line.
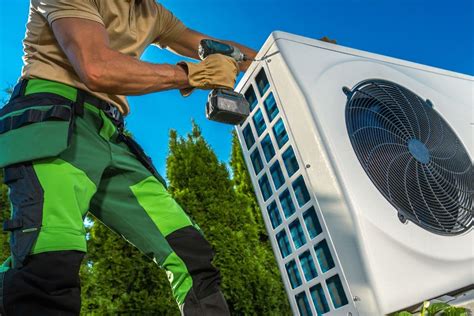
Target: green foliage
<point>4,214</point>
<point>202,185</point>
<point>455,311</point>
<point>437,309</point>
<point>442,309</point>
<point>4,203</point>
<point>244,188</point>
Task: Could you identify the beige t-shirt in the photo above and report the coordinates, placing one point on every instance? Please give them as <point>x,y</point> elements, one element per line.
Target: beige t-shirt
<point>131,28</point>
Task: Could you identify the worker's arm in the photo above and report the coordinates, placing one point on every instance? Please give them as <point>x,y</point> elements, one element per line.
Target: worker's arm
<point>188,42</point>
<point>102,69</point>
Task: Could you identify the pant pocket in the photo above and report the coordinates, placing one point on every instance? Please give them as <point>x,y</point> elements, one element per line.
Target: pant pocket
<point>26,196</point>
<point>35,127</point>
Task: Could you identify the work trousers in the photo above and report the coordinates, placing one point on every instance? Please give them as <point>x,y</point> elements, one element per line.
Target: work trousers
<point>103,172</point>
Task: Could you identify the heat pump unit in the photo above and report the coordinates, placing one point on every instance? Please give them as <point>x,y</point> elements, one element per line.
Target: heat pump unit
<point>362,166</point>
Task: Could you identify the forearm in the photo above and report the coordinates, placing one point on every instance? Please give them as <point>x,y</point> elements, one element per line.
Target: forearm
<point>102,69</point>
<point>116,73</point>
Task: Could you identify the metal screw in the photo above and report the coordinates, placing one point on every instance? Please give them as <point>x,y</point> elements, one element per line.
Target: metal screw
<point>269,60</point>
<point>356,299</point>
<point>349,314</point>
<point>308,166</point>
<point>402,218</point>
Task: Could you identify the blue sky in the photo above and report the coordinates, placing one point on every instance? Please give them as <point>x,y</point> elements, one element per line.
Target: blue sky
<point>438,33</point>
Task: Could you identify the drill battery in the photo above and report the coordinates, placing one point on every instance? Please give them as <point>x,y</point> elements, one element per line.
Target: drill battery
<point>227,106</point>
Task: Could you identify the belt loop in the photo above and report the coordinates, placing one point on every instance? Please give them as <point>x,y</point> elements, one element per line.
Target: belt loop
<point>79,104</point>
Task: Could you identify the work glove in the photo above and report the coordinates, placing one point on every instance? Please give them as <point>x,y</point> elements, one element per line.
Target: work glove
<point>215,71</point>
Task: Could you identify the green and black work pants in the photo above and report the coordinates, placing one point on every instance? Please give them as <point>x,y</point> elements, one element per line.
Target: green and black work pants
<point>64,154</point>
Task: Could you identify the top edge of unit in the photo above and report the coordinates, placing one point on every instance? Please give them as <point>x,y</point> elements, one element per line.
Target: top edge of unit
<point>279,37</point>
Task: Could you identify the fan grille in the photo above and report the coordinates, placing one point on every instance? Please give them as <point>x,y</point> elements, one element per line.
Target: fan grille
<point>412,156</point>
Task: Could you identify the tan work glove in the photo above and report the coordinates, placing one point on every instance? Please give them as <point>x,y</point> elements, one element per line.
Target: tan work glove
<point>215,71</point>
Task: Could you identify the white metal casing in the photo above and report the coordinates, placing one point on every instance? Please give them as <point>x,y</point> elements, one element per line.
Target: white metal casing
<point>384,265</point>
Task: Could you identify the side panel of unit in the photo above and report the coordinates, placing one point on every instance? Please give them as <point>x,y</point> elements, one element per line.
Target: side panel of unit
<point>295,199</point>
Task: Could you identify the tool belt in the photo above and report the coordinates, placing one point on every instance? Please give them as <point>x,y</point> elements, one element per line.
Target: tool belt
<point>40,125</point>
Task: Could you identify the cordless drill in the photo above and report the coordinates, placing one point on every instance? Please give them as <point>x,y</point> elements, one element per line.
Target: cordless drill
<point>224,105</point>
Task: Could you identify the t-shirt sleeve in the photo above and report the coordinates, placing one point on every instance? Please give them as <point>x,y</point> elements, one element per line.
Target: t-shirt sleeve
<point>52,10</point>
<point>169,27</point>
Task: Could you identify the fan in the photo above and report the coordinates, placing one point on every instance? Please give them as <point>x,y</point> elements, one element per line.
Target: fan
<point>412,156</point>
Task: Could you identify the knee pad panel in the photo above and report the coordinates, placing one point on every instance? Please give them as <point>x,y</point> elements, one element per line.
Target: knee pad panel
<point>45,284</point>
<point>196,252</point>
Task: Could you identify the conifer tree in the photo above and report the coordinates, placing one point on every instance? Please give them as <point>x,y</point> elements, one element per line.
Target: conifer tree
<point>4,214</point>
<point>244,188</point>
<point>243,185</point>
<point>4,202</point>
<point>202,185</point>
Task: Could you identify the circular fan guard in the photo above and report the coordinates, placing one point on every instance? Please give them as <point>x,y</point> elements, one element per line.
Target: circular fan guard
<point>412,156</point>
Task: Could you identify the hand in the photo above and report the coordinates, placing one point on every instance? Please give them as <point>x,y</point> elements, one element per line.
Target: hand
<point>216,71</point>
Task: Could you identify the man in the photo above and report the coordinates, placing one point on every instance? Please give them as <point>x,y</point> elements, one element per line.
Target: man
<point>65,153</point>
